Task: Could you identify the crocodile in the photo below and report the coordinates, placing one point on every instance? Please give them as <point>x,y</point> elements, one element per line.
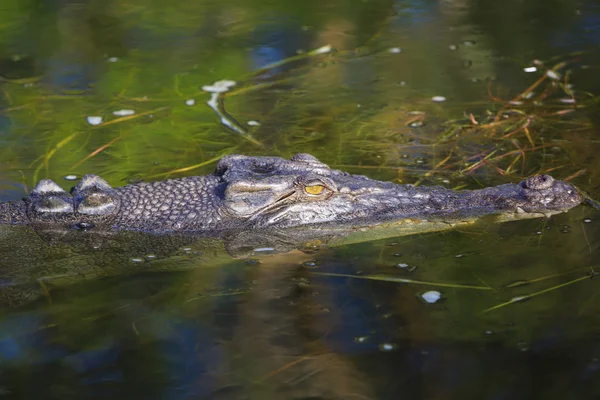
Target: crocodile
<point>261,193</point>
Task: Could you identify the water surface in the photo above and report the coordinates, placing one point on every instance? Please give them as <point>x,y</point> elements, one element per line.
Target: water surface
<point>353,83</point>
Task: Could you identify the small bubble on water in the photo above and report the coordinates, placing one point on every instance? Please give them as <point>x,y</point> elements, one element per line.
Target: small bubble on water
<point>186,249</point>
<point>70,177</point>
<point>538,233</point>
<point>309,264</point>
<point>150,256</point>
<point>587,220</point>
<point>530,69</point>
<point>488,332</point>
<point>438,99</point>
<point>431,296</point>
<point>190,102</point>
<point>453,47</point>
<point>137,260</point>
<point>395,50</point>
<point>361,339</point>
<point>416,124</point>
<point>113,59</point>
<point>469,43</point>
<point>387,346</point>
<point>253,123</point>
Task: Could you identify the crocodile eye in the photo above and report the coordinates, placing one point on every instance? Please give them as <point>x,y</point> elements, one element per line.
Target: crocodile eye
<point>314,189</point>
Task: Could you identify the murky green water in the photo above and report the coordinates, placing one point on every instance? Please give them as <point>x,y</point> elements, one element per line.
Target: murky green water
<point>116,88</point>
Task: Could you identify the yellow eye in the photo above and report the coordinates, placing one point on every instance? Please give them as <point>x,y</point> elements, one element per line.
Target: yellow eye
<point>314,190</point>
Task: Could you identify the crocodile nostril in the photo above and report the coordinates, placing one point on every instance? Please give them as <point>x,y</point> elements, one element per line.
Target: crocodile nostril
<point>538,182</point>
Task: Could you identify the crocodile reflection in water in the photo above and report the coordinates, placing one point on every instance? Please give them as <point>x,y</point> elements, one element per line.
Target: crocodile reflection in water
<point>265,193</point>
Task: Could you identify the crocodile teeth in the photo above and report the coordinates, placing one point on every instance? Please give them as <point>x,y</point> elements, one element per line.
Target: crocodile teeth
<point>94,196</point>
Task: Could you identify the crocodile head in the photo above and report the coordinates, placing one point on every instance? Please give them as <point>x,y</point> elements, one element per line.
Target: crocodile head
<point>273,192</point>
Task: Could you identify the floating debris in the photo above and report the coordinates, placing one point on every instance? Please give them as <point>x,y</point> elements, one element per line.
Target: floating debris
<point>528,95</point>
<point>553,74</point>
<point>361,339</point>
<point>431,296</point>
<point>416,124</point>
<point>567,101</point>
<point>94,120</point>
<point>387,346</point>
<point>438,99</point>
<point>309,264</point>
<point>221,86</point>
<point>395,50</point>
<point>406,267</point>
<point>322,50</point>
<point>190,102</point>
<point>137,260</point>
<point>123,113</point>
<point>150,257</point>
<point>530,69</point>
<point>253,123</point>
<point>70,177</point>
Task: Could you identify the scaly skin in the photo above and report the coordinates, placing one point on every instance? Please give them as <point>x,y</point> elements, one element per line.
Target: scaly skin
<point>272,193</point>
